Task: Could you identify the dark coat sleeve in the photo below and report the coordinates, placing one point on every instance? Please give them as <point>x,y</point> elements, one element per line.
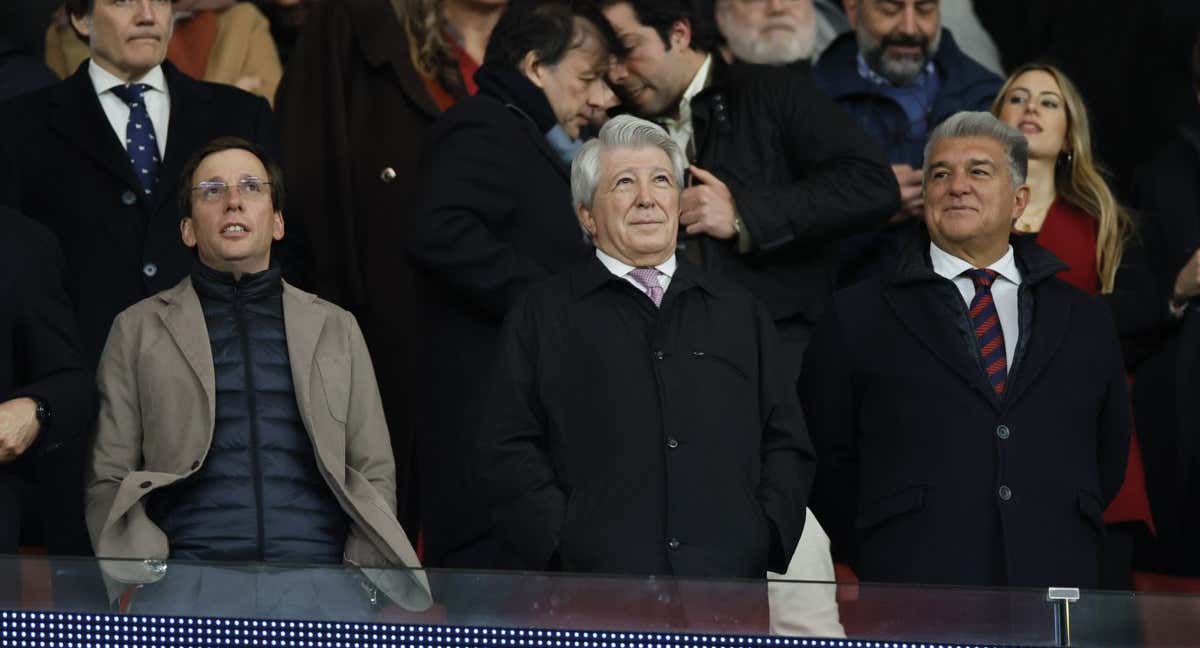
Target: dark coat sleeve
<point>469,199</point>
<point>788,460</point>
<point>313,119</point>
<point>46,340</point>
<point>528,504</point>
<point>826,390</point>
<point>846,187</point>
<point>1116,419</point>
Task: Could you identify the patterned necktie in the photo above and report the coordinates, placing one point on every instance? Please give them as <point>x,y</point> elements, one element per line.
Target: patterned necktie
<point>989,336</point>
<point>139,135</point>
<point>648,278</point>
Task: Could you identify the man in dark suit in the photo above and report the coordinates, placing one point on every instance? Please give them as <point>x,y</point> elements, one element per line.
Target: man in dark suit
<point>781,175</point>
<point>642,420</point>
<point>46,395</point>
<point>969,407</point>
<point>96,159</point>
<point>496,217</point>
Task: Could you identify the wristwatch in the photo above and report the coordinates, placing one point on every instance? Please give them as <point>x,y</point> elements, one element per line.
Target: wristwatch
<point>42,413</point>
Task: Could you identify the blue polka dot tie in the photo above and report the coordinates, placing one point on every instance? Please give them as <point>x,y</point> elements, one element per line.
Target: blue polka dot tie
<point>139,135</point>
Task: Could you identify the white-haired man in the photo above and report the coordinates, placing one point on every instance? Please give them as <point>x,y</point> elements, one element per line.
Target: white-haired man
<point>641,419</point>
<point>767,32</point>
<point>969,407</point>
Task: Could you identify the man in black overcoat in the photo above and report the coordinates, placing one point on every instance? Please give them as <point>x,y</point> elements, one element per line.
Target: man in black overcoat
<point>495,217</point>
<point>96,159</point>
<point>969,408</point>
<point>47,399</point>
<point>781,175</point>
<point>641,419</point>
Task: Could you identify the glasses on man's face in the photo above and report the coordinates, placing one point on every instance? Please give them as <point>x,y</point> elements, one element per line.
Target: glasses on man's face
<point>249,188</point>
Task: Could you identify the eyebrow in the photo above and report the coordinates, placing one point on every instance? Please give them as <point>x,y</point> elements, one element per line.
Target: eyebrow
<point>1028,91</point>
<point>973,162</point>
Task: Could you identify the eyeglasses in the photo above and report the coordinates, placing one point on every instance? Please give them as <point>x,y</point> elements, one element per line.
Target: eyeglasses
<point>249,188</point>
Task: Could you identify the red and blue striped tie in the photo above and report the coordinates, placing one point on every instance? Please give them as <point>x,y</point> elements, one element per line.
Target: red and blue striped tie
<point>989,336</point>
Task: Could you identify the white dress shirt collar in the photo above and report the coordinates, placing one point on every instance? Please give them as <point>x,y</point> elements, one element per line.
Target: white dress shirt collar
<point>680,127</point>
<point>621,269</point>
<point>951,267</point>
<point>104,81</point>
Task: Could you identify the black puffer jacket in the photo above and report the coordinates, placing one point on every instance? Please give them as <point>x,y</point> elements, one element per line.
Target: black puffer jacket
<point>259,495</point>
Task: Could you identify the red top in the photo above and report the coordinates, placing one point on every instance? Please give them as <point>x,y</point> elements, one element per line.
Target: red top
<point>1070,234</point>
<point>466,68</point>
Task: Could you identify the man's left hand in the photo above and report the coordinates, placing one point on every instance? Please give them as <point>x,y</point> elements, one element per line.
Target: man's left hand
<point>18,427</point>
<point>707,207</point>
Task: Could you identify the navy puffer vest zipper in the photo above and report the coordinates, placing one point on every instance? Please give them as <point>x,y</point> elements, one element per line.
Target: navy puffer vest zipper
<point>259,495</point>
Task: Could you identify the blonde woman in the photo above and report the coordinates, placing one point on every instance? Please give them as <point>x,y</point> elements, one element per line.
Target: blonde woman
<point>1071,209</point>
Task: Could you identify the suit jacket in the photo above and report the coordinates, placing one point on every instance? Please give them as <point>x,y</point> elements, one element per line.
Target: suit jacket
<point>62,165</point>
<point>496,217</point>
<point>351,160</point>
<point>803,174</point>
<point>926,476</point>
<point>157,409</point>
<point>243,47</point>
<point>621,437</point>
<point>39,357</point>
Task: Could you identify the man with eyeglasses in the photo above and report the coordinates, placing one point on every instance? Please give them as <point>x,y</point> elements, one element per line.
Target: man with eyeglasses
<point>95,159</point>
<point>240,420</point>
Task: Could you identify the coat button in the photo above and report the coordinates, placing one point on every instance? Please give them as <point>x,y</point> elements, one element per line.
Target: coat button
<point>659,355</point>
<point>1003,432</point>
<point>128,197</point>
<point>149,269</point>
<point>1005,493</point>
<point>388,174</point>
<point>672,442</point>
<point>673,544</point>
<point>145,484</point>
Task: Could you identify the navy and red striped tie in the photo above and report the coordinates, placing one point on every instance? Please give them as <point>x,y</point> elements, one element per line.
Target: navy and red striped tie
<point>989,336</point>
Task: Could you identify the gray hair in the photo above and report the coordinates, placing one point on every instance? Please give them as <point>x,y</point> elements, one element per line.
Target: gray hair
<point>622,131</point>
<point>984,124</point>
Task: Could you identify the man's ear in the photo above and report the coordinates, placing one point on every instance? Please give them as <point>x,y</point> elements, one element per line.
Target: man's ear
<point>1020,202</point>
<point>82,25</point>
<point>851,7</point>
<point>532,68</point>
<point>186,232</point>
<point>585,219</point>
<point>680,35</point>
<point>277,227</point>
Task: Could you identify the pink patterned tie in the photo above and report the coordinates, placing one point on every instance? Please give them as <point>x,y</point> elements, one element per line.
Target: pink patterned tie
<point>648,278</point>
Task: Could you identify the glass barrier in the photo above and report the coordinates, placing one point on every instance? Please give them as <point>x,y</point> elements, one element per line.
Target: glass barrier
<point>67,602</point>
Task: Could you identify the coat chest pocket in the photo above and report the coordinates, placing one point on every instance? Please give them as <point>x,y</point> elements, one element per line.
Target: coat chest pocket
<point>335,380</point>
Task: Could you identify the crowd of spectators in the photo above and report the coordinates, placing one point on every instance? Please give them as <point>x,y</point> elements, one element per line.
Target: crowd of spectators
<point>615,286</point>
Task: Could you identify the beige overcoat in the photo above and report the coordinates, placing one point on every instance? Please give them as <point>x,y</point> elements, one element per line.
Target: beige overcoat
<point>158,400</point>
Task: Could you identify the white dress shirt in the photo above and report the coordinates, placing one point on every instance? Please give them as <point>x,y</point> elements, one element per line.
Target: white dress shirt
<point>680,129</point>
<point>158,103</point>
<point>666,270</point>
<point>1004,290</point>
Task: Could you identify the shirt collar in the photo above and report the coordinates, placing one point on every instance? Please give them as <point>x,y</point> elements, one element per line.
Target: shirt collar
<point>951,267</point>
<point>620,268</point>
<point>104,81</point>
<point>867,73</point>
<point>699,82</point>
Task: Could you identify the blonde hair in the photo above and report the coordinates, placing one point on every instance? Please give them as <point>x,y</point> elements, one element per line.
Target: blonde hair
<point>428,49</point>
<point>1079,180</point>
